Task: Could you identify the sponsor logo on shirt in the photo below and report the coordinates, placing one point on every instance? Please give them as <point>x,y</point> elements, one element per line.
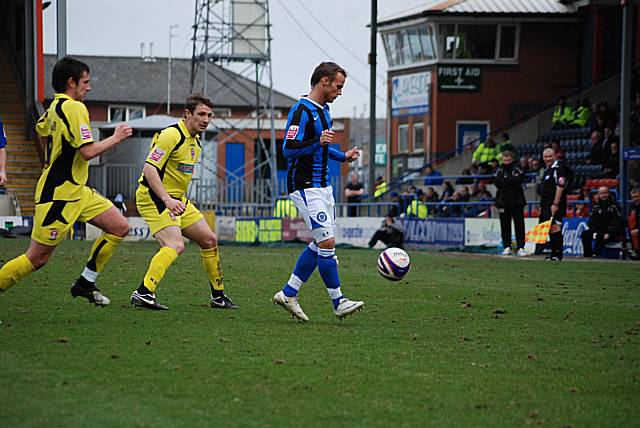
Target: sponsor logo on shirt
<point>187,168</point>
<point>292,132</point>
<point>561,181</point>
<point>85,133</point>
<point>156,154</point>
<point>193,153</point>
<point>53,234</point>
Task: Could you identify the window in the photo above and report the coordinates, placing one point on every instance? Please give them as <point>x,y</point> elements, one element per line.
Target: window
<point>507,42</point>
<point>403,138</point>
<point>410,45</point>
<point>125,113</point>
<point>479,42</point>
<point>222,112</point>
<point>418,137</point>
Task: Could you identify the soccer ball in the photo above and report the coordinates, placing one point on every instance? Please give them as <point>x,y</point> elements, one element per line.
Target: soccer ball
<point>394,264</point>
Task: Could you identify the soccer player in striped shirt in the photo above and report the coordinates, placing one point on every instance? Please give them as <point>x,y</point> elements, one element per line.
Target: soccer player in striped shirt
<point>308,149</point>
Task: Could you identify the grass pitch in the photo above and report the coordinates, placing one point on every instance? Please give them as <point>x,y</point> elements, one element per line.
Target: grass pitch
<point>464,341</point>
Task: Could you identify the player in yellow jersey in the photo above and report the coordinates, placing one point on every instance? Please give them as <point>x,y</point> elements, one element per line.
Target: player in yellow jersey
<point>62,196</point>
<point>161,200</point>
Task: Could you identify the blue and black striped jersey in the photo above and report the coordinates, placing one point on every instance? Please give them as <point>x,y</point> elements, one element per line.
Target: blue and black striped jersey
<point>307,158</point>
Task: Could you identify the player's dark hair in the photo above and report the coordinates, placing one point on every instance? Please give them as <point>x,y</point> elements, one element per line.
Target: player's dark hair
<point>195,99</point>
<point>326,69</point>
<point>508,154</point>
<point>67,67</point>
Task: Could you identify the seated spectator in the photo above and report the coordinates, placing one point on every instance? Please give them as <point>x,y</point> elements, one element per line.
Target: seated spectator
<point>605,224</point>
<point>432,177</point>
<point>524,164</point>
<point>464,180</point>
<point>596,155</point>
<point>597,123</point>
<point>398,206</point>
<point>447,191</point>
<point>464,193</point>
<point>417,207</point>
<point>582,209</point>
<point>390,234</point>
<point>453,210</point>
<point>611,167</point>
<point>582,114</point>
<point>494,165</point>
<point>474,170</point>
<point>432,195</point>
<point>562,114</point>
<point>484,154</point>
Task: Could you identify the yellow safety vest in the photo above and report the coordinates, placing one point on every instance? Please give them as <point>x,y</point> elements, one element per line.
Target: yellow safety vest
<point>417,209</point>
<point>381,189</point>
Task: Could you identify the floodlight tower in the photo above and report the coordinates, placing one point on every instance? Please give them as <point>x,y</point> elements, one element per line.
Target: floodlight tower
<point>236,34</point>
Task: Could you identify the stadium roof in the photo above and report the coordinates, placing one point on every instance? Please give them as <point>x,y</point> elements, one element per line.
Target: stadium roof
<point>134,80</point>
<point>488,7</point>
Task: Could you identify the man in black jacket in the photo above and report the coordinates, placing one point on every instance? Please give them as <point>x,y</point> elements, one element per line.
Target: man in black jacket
<point>510,201</point>
<point>605,224</point>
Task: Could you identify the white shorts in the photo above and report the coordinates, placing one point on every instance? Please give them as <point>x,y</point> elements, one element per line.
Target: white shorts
<point>316,206</point>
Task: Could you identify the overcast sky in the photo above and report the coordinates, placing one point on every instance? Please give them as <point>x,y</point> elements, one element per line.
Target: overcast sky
<point>117,27</point>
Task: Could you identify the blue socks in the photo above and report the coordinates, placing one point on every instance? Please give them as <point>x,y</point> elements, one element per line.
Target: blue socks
<point>306,264</point>
<point>327,263</point>
<point>328,268</point>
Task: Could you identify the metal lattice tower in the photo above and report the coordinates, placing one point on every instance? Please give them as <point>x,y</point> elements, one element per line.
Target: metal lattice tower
<point>236,35</point>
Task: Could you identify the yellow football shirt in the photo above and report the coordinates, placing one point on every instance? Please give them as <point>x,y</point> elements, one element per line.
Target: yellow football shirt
<point>174,153</point>
<point>66,126</point>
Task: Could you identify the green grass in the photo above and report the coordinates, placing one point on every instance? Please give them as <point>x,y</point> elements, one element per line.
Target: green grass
<point>464,341</point>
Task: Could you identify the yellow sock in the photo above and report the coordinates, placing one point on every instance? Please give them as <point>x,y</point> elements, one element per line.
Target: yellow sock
<point>102,250</point>
<point>158,267</point>
<point>211,264</point>
<point>14,270</point>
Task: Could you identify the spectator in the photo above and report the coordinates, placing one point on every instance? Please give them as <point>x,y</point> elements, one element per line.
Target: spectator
<point>510,202</point>
<point>562,114</point>
<point>474,170</point>
<point>453,210</point>
<point>380,188</point>
<point>353,192</point>
<point>432,177</point>
<point>582,209</point>
<point>432,195</point>
<point>505,146</point>
<point>610,118</point>
<point>582,114</point>
<point>634,221</point>
<point>390,234</point>
<point>447,191</point>
<point>464,194</point>
<point>598,123</point>
<point>524,164</point>
<point>118,202</point>
<point>494,166</point>
<point>605,224</point>
<point>465,180</point>
<point>398,205</point>
<point>596,154</point>
<point>417,207</point>
<point>611,167</point>
<point>484,154</point>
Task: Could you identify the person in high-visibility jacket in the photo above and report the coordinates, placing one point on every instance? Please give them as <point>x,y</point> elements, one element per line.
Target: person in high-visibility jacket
<point>417,207</point>
<point>582,114</point>
<point>562,114</point>
<point>381,187</point>
<point>285,208</point>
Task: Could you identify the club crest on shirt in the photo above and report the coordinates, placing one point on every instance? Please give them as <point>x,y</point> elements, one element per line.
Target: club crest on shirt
<point>561,181</point>
<point>292,132</point>
<point>322,216</point>
<point>85,133</point>
<point>53,234</point>
<point>156,154</point>
<point>193,153</point>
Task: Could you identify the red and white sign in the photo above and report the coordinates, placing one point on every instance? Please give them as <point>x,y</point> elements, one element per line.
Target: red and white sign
<point>156,154</point>
<point>292,132</point>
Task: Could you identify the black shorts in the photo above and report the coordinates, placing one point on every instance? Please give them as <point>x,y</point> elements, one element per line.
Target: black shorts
<point>545,212</point>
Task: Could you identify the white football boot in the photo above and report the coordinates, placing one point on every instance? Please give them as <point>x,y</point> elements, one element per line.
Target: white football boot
<point>347,307</point>
<point>507,251</point>
<point>291,305</point>
<point>522,252</point>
